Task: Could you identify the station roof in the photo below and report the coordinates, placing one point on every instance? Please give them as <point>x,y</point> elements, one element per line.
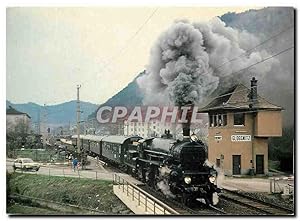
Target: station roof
<point>236,98</point>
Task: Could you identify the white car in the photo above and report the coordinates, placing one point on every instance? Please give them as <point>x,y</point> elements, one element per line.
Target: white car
<point>26,164</point>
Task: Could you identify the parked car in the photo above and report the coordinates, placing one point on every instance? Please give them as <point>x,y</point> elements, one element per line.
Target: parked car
<point>26,164</point>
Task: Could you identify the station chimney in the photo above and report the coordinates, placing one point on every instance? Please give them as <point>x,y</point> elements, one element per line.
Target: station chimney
<point>253,93</point>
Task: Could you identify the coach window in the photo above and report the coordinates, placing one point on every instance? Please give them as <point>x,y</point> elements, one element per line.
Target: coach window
<point>239,119</point>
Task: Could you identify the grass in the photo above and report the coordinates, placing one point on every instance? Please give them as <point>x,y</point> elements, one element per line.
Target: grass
<point>20,209</point>
<point>94,194</point>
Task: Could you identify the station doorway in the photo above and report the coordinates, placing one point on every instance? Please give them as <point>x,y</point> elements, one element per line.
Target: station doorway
<point>260,164</point>
<point>236,164</point>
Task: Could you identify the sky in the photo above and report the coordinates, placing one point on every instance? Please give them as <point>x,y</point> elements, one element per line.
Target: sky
<point>51,50</point>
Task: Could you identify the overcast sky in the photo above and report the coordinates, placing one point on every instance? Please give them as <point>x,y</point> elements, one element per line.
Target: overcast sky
<point>51,50</point>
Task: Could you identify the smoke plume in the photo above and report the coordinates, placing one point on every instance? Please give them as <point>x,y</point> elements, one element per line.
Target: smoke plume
<point>163,185</point>
<point>263,24</point>
<point>184,62</point>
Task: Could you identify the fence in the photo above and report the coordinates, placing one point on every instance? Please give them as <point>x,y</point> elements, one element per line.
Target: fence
<point>282,185</point>
<point>150,204</point>
<point>68,171</point>
<point>37,155</point>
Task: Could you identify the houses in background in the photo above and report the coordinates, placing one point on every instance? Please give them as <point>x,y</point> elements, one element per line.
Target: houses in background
<point>150,129</point>
<point>17,121</point>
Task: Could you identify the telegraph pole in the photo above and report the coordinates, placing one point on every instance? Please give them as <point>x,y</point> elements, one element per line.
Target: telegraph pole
<point>78,121</point>
<point>39,123</point>
<point>44,128</point>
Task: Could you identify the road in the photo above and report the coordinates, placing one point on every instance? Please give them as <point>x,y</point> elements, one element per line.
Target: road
<point>93,171</point>
<point>97,171</point>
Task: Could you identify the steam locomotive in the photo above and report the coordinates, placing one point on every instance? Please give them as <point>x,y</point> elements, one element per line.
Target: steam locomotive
<point>176,168</point>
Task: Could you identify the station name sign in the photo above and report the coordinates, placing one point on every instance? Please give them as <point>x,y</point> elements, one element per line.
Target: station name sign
<point>240,138</point>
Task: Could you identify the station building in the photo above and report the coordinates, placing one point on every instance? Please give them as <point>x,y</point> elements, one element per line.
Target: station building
<point>240,123</point>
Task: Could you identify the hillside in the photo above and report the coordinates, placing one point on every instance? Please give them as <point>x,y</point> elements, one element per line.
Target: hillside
<point>128,97</point>
<point>265,23</point>
<point>58,114</point>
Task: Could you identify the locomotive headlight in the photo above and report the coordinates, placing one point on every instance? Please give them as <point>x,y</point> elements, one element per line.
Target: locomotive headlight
<point>187,180</point>
<point>212,179</point>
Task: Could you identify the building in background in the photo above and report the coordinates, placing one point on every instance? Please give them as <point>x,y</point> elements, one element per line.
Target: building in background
<point>16,120</point>
<point>240,123</point>
<point>153,128</point>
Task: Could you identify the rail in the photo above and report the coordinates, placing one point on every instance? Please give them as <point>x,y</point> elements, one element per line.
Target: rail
<point>255,203</point>
<point>144,199</point>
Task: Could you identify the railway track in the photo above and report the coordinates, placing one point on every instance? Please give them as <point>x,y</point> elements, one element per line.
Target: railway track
<point>254,203</point>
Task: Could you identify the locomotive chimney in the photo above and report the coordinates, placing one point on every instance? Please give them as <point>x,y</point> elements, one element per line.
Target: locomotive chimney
<point>186,126</point>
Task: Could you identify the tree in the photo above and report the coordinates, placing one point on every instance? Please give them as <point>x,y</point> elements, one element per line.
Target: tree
<point>282,149</point>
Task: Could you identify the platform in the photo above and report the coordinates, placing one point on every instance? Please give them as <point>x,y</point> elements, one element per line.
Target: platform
<point>137,200</point>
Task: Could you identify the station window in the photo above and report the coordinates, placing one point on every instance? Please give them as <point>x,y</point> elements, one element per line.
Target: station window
<point>224,119</point>
<point>218,120</point>
<point>215,121</point>
<point>211,120</point>
<point>239,119</point>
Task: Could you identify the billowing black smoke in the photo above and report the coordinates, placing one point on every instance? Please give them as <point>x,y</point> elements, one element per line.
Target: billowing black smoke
<point>184,66</point>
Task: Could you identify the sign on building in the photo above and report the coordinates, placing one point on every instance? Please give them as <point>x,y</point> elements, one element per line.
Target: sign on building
<point>240,138</point>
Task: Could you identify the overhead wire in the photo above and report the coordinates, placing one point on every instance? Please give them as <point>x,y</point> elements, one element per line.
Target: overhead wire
<point>261,61</point>
<point>255,47</point>
<point>127,43</point>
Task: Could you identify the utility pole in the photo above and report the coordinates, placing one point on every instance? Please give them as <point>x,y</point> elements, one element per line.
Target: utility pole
<point>39,123</point>
<point>78,121</point>
<point>44,126</point>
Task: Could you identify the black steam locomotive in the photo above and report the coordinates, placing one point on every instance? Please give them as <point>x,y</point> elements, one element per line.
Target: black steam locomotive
<point>176,168</point>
